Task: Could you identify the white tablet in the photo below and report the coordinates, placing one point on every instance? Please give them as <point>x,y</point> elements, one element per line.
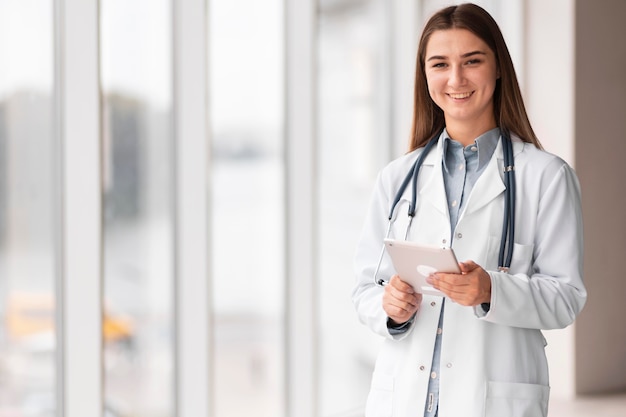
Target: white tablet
<point>414,262</point>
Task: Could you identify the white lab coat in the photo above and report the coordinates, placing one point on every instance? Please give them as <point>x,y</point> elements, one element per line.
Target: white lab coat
<point>493,364</point>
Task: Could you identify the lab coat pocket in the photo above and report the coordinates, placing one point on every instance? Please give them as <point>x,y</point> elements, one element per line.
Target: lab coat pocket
<point>521,261</point>
<point>380,399</point>
<point>516,400</point>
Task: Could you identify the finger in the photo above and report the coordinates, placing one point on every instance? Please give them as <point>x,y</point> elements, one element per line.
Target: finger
<point>418,298</point>
<point>401,290</point>
<point>448,280</point>
<point>397,283</point>
<point>456,287</point>
<point>398,311</point>
<point>468,266</point>
<point>437,284</point>
<point>395,301</point>
<point>473,291</point>
<point>400,296</point>
<point>398,307</point>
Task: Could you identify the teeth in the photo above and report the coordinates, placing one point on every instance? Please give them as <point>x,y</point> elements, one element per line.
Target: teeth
<point>460,95</point>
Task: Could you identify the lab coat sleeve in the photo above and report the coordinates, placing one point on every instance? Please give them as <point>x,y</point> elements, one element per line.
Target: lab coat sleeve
<point>367,295</point>
<point>553,295</point>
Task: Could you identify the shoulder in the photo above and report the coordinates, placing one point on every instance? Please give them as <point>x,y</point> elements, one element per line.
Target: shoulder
<point>541,167</point>
<point>396,170</point>
<point>538,160</point>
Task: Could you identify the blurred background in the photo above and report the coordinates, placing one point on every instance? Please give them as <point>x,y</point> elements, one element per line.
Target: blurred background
<point>299,97</point>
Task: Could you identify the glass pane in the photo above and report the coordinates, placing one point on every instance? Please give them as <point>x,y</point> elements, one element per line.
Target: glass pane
<point>138,317</point>
<point>246,102</point>
<point>353,136</point>
<point>28,209</point>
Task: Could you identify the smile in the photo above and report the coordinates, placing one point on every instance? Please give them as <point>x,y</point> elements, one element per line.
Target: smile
<point>460,95</point>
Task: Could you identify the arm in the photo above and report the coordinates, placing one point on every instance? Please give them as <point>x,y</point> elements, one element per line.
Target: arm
<point>553,295</point>
<point>380,308</point>
<point>400,302</point>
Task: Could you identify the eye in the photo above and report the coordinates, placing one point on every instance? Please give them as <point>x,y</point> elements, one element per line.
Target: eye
<point>439,65</point>
<point>473,61</point>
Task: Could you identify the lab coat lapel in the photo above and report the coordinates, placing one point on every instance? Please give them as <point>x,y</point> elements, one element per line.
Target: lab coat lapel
<point>434,190</point>
<point>490,184</point>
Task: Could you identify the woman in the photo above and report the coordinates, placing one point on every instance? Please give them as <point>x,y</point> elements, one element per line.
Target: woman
<point>479,350</point>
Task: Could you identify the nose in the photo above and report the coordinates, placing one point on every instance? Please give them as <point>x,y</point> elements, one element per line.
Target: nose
<point>457,78</point>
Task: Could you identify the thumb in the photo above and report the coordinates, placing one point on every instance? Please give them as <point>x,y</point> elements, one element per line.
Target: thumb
<point>468,266</point>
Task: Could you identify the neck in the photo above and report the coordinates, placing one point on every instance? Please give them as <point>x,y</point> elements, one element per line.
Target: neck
<point>466,135</point>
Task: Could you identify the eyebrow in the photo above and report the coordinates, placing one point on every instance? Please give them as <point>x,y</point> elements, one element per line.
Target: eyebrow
<point>465,55</point>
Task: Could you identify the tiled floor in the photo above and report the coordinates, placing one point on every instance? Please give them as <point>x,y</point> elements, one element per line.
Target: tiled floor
<point>597,406</point>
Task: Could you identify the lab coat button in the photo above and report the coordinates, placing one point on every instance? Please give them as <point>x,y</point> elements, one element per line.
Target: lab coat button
<point>422,368</point>
<point>449,365</point>
<point>444,241</point>
<point>433,304</point>
<point>459,235</point>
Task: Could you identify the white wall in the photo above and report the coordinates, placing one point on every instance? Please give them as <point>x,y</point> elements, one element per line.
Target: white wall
<point>600,123</point>
<point>548,92</point>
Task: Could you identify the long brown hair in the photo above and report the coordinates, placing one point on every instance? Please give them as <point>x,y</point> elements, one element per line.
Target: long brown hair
<point>509,111</point>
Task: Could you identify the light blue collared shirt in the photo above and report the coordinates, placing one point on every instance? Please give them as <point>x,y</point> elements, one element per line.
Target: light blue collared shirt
<point>462,166</point>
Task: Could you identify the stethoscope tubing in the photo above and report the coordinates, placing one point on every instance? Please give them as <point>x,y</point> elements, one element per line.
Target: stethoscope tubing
<point>508,226</point>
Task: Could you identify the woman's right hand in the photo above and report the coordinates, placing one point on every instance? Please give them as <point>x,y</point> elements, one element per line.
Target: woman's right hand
<point>400,301</point>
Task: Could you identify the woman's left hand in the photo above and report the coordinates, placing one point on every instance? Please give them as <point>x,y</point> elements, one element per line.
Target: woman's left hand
<point>469,288</point>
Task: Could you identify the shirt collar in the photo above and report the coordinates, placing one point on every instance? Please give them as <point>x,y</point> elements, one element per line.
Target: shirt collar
<point>486,144</point>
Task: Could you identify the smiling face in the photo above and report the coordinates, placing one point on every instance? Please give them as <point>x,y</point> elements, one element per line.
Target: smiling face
<point>461,74</point>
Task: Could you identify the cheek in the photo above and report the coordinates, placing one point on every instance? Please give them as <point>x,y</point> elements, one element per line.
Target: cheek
<point>434,87</point>
<point>492,88</point>
<point>492,80</point>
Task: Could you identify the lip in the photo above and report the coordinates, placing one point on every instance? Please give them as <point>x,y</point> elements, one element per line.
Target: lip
<point>460,96</point>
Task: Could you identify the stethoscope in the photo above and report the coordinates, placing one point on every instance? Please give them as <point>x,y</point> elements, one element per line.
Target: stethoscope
<point>508,226</point>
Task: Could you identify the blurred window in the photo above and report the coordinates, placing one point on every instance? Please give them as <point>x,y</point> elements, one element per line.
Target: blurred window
<point>29,188</point>
<point>353,137</point>
<point>138,181</point>
<point>247,215</point>
<point>355,40</point>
